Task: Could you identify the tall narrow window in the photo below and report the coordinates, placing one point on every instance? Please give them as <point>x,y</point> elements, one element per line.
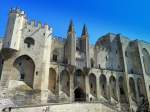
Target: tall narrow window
<point>22,77</point>
<point>126,54</point>
<point>92,63</point>
<point>55,57</point>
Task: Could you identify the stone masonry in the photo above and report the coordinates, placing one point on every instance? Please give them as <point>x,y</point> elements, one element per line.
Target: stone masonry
<point>38,68</point>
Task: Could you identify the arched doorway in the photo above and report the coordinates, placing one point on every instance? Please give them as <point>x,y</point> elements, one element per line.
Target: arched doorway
<point>132,89</point>
<point>113,91</point>
<point>123,98</point>
<point>103,86</point>
<point>52,81</point>
<point>79,85</point>
<point>65,82</point>
<point>92,84</point>
<point>26,67</point>
<point>79,94</point>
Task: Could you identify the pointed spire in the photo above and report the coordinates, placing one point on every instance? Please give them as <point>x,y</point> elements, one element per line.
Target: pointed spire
<point>71,27</point>
<point>84,31</point>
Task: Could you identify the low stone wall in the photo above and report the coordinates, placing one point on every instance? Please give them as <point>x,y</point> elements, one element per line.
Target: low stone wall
<point>74,107</point>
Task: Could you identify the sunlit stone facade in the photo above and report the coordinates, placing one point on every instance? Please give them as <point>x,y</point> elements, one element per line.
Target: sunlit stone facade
<point>37,67</point>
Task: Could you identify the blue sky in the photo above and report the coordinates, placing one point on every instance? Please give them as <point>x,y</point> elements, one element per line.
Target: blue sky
<point>128,17</point>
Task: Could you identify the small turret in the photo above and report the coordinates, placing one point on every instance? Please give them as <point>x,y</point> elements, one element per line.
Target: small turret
<point>70,47</point>
<point>85,43</point>
<point>84,39</point>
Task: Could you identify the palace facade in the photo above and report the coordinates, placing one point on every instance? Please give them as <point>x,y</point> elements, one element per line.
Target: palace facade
<point>38,67</point>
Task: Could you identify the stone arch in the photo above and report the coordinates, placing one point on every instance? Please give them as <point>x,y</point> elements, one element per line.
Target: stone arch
<point>133,58</point>
<point>122,95</point>
<point>26,67</point>
<point>113,90</point>
<point>92,84</point>
<point>79,94</point>
<point>141,87</point>
<point>65,82</point>
<point>103,85</point>
<point>132,88</point>
<point>52,80</point>
<point>146,60</point>
<point>79,85</point>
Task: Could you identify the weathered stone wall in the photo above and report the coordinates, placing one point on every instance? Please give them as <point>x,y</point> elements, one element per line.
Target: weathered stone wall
<point>108,54</point>
<point>35,70</point>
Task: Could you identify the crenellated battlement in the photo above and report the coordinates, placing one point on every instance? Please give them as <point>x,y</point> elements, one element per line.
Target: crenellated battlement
<point>33,23</point>
<point>38,24</point>
<point>18,11</point>
<point>61,39</point>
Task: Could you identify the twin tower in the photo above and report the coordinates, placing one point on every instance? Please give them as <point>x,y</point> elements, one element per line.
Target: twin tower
<point>77,47</point>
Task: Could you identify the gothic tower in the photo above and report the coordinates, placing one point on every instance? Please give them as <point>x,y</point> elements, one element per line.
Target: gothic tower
<point>14,29</point>
<point>70,47</point>
<point>85,44</point>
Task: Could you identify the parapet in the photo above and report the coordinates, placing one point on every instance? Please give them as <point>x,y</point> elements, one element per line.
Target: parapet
<point>38,24</point>
<point>61,39</point>
<point>33,23</point>
<point>17,10</point>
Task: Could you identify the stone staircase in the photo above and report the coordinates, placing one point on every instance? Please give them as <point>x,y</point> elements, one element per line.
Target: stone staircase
<point>4,92</point>
<point>27,98</point>
<point>31,98</point>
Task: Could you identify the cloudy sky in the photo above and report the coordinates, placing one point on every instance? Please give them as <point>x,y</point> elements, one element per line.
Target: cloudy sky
<point>128,17</point>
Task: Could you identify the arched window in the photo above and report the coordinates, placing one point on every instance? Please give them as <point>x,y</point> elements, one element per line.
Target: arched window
<point>52,80</point>
<point>92,63</point>
<point>65,82</point>
<point>55,54</point>
<point>141,87</point>
<point>123,98</point>
<point>132,88</point>
<point>92,84</point>
<point>103,86</point>
<point>29,41</point>
<point>113,90</point>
